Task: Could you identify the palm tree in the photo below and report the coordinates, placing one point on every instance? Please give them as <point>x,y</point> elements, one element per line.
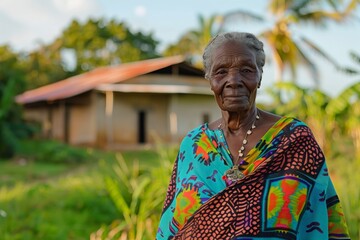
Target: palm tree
<point>288,52</point>
<point>346,106</point>
<point>193,42</point>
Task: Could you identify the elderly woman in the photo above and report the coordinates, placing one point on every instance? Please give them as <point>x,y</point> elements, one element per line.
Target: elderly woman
<point>250,174</point>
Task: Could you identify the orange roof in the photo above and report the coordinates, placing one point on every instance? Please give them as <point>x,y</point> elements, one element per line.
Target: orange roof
<point>84,82</point>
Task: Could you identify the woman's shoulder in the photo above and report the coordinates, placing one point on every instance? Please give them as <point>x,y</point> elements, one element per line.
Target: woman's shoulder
<point>272,118</point>
<point>286,122</point>
<point>296,127</point>
<point>193,133</point>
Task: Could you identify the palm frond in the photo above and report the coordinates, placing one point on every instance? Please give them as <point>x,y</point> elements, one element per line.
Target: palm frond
<point>334,4</point>
<point>271,41</point>
<point>354,56</point>
<point>320,18</point>
<point>300,4</point>
<point>351,7</point>
<point>237,15</point>
<point>342,102</point>
<point>279,7</point>
<point>309,64</point>
<point>348,70</point>
<point>319,51</point>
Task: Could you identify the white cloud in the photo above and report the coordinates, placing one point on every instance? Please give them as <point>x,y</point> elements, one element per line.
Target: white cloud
<point>26,23</point>
<point>76,6</point>
<point>140,11</point>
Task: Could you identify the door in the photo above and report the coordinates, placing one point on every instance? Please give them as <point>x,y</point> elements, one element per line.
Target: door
<point>141,126</point>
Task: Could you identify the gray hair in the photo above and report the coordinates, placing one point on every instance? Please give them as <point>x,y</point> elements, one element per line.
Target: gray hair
<point>240,37</point>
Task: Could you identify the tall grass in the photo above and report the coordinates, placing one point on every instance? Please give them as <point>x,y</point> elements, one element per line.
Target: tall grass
<point>344,173</point>
<point>138,194</point>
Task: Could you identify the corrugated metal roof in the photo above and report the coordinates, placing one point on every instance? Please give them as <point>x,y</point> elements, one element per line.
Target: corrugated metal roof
<point>84,82</point>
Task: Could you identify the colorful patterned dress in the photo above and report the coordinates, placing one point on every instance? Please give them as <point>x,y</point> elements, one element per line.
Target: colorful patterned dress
<point>286,193</point>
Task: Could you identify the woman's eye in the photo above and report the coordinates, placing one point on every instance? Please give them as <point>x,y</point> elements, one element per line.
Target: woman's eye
<point>246,70</point>
<point>220,72</point>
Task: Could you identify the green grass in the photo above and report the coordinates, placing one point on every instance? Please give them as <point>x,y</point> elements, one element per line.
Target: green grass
<point>65,198</point>
<point>346,179</point>
<point>12,172</point>
<point>69,207</point>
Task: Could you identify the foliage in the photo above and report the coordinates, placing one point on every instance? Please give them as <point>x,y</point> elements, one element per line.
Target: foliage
<point>328,117</point>
<point>56,152</point>
<point>23,169</point>
<point>192,43</point>
<point>346,107</point>
<point>44,65</point>
<point>84,46</point>
<point>47,200</point>
<point>138,194</point>
<point>305,104</point>
<point>11,83</point>
<point>343,171</point>
<point>66,208</point>
<point>98,42</point>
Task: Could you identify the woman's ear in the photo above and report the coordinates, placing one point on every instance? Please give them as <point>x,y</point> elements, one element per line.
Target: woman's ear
<point>259,84</point>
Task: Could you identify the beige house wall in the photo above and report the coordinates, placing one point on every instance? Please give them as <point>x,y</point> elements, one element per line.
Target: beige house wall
<point>82,124</point>
<point>168,118</point>
<point>121,127</point>
<point>188,111</point>
<point>57,121</point>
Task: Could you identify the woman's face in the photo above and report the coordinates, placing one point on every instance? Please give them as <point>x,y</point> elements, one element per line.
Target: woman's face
<point>234,76</point>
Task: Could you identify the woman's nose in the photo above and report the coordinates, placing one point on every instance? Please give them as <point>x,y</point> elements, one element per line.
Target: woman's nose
<point>234,80</point>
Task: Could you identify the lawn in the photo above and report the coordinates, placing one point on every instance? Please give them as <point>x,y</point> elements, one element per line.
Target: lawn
<point>56,198</point>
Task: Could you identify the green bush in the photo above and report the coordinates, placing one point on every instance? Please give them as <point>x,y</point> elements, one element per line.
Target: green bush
<point>56,152</point>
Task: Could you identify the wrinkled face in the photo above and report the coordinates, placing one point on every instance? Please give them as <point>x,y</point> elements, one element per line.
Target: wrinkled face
<point>234,76</point>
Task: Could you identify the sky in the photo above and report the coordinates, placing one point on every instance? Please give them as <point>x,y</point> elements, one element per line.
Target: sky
<point>25,24</point>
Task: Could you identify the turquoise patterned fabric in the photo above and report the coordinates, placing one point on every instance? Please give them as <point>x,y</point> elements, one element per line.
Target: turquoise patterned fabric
<point>286,193</point>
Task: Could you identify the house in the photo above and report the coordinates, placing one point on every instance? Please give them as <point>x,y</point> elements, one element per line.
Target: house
<point>124,105</point>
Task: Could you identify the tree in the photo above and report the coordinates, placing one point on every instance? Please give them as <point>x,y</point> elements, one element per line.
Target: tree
<point>192,43</point>
<point>84,46</point>
<point>101,43</point>
<point>288,52</point>
<point>44,65</point>
<point>11,83</point>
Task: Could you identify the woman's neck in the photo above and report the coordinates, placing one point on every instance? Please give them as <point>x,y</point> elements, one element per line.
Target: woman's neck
<point>238,121</point>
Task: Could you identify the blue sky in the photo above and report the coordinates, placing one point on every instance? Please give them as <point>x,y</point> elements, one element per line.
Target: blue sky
<point>26,23</point>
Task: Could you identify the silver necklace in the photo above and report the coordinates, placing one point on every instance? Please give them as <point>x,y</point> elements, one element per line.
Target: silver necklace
<point>235,173</point>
